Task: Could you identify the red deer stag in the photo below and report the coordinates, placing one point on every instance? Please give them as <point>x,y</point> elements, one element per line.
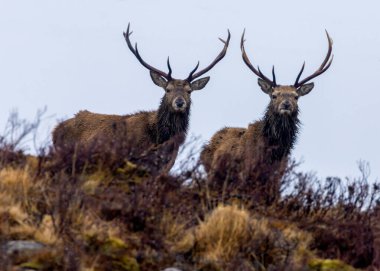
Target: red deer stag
<point>144,130</point>
<point>269,140</point>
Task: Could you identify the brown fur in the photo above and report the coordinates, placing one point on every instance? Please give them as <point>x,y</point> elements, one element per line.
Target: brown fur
<point>228,141</point>
<point>86,127</point>
<point>139,132</point>
<point>257,143</point>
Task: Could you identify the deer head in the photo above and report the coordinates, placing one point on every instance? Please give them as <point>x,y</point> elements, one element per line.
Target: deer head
<point>177,91</point>
<point>284,99</point>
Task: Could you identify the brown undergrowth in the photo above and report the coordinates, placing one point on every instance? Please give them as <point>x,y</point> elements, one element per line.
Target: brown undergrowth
<point>95,212</point>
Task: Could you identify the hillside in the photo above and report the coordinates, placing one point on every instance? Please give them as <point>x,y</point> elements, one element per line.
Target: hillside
<point>91,211</point>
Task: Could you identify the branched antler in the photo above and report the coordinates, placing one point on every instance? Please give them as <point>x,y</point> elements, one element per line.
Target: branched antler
<point>135,51</point>
<point>221,55</point>
<point>324,66</point>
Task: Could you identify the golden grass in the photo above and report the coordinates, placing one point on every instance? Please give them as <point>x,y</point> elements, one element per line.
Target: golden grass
<point>229,231</point>
<point>46,232</point>
<point>224,233</point>
<point>16,183</point>
<point>227,234</point>
<point>18,200</point>
<point>220,236</point>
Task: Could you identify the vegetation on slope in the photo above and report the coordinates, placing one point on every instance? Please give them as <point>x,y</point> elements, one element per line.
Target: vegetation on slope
<point>95,211</point>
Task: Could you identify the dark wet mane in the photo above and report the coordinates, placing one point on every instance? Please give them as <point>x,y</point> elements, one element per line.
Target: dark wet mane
<point>170,123</point>
<point>280,133</point>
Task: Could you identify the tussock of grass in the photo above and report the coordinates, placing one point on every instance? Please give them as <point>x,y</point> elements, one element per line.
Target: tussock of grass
<point>222,233</point>
<point>230,232</point>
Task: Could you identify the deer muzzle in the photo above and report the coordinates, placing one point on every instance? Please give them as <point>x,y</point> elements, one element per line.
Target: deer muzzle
<point>179,104</point>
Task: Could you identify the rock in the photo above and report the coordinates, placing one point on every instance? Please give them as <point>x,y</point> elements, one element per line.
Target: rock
<point>21,246</point>
<point>172,269</point>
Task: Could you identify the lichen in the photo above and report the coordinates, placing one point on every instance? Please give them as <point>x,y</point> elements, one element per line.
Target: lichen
<point>329,265</point>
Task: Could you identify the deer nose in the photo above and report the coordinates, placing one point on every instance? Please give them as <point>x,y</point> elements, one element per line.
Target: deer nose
<point>286,105</point>
<point>180,103</point>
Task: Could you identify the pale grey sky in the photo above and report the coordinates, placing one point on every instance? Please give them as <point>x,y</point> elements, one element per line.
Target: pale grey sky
<point>71,55</point>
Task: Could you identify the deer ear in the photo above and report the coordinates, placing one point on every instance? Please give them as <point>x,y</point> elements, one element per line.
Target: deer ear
<point>265,86</point>
<point>158,79</point>
<point>305,89</point>
<point>200,83</point>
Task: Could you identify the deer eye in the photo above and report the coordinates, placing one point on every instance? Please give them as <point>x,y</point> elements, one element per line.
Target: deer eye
<point>296,97</point>
<point>167,90</point>
<point>274,97</point>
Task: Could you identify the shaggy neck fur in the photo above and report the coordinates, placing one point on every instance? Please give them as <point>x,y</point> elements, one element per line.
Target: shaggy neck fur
<point>170,123</point>
<point>280,133</point>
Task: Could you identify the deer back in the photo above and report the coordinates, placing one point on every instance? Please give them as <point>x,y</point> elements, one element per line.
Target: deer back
<point>87,127</point>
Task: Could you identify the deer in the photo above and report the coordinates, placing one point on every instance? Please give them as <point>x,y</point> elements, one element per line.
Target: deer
<point>143,130</point>
<point>268,141</point>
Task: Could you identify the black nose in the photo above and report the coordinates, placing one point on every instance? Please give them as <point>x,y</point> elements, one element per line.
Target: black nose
<point>179,103</point>
<point>286,105</point>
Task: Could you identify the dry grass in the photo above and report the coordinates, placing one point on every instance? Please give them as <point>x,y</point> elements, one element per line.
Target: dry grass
<point>103,230</point>
<point>221,235</point>
<point>230,232</point>
<point>120,216</point>
<point>15,186</point>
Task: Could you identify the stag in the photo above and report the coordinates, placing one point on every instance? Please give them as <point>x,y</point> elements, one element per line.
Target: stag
<point>146,129</point>
<point>270,140</point>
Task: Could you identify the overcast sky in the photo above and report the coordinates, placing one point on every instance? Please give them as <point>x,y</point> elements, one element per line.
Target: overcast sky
<point>70,55</point>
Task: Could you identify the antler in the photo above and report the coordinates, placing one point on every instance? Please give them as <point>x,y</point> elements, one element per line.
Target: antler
<point>325,65</point>
<point>256,71</point>
<point>192,76</point>
<point>135,51</point>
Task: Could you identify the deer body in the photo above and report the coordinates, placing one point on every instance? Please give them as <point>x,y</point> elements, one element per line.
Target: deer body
<point>141,129</point>
<point>146,129</point>
<point>268,141</point>
<point>86,127</point>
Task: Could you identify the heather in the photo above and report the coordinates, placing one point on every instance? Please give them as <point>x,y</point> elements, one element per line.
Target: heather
<point>105,208</point>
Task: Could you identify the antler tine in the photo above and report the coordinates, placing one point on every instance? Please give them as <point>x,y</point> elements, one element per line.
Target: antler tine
<point>300,73</point>
<point>221,55</point>
<point>192,72</point>
<point>170,69</point>
<point>324,66</point>
<point>135,51</point>
<point>251,67</point>
<point>274,77</point>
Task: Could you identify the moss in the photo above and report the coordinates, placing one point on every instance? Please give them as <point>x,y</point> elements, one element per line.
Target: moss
<point>34,265</point>
<point>113,245</point>
<point>329,265</point>
<point>108,246</point>
<point>132,173</point>
<point>90,186</point>
<point>126,263</point>
<point>112,253</point>
<point>45,260</point>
